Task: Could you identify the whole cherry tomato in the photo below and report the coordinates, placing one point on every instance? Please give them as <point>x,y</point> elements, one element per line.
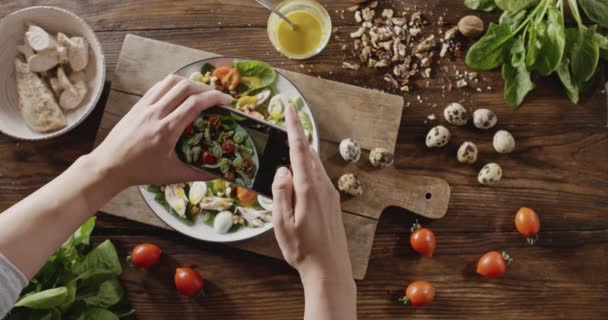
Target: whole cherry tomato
<point>422,240</point>
<point>493,264</point>
<point>188,281</point>
<point>208,158</point>
<point>228,77</point>
<point>246,197</point>
<point>419,294</point>
<point>528,224</point>
<point>228,146</point>
<point>145,255</point>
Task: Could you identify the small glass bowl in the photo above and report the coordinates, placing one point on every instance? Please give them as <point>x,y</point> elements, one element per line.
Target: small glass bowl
<point>312,7</point>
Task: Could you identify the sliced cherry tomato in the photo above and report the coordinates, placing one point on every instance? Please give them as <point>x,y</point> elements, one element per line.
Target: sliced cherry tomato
<point>215,122</point>
<point>249,165</point>
<point>208,158</point>
<point>493,264</point>
<point>189,129</point>
<point>422,240</point>
<point>528,224</point>
<point>419,294</point>
<point>246,197</point>
<point>229,176</point>
<point>228,146</point>
<point>228,77</point>
<point>188,281</point>
<point>145,255</point>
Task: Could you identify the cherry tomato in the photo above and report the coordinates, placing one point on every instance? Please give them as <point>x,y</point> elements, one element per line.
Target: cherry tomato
<point>215,122</point>
<point>422,240</point>
<point>528,224</point>
<point>228,146</point>
<point>208,158</point>
<point>419,294</point>
<point>229,176</point>
<point>248,165</point>
<point>228,77</point>
<point>493,264</point>
<point>188,281</point>
<point>246,197</point>
<point>189,129</point>
<point>145,255</point>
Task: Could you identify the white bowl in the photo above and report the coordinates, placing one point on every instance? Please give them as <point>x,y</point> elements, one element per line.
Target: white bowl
<point>53,20</point>
<point>200,230</point>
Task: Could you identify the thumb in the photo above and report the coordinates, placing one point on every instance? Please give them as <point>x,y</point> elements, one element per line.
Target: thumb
<point>282,193</point>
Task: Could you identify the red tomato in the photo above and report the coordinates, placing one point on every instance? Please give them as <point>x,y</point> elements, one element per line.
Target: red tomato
<point>493,264</point>
<point>228,146</point>
<point>246,197</point>
<point>188,281</point>
<point>215,122</point>
<point>228,77</point>
<point>249,165</point>
<point>145,255</point>
<point>229,176</point>
<point>189,129</point>
<point>419,294</point>
<point>208,158</point>
<point>528,224</point>
<point>422,240</point>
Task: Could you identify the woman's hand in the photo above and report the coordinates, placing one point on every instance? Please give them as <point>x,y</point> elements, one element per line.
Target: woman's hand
<point>308,226</point>
<point>141,147</point>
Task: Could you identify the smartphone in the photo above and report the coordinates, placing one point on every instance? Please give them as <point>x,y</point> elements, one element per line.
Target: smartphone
<point>236,147</point>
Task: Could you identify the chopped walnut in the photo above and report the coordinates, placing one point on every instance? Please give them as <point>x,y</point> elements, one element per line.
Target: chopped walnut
<point>350,65</point>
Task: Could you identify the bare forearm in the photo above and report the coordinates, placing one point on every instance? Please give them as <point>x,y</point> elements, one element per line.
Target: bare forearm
<point>330,300</point>
<point>32,229</point>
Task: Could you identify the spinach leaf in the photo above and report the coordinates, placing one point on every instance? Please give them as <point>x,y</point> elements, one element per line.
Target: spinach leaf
<point>546,43</point>
<point>515,5</point>
<point>481,5</point>
<point>102,258</point>
<point>515,74</point>
<point>487,53</point>
<point>105,295</point>
<point>585,56</point>
<point>98,314</point>
<point>596,11</point>
<point>513,19</point>
<point>45,299</point>
<point>602,43</point>
<point>563,71</point>
<point>207,67</point>
<point>257,69</point>
<point>72,249</point>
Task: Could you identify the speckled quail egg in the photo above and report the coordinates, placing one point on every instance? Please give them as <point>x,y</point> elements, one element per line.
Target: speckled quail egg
<point>467,153</point>
<point>350,184</point>
<point>438,137</point>
<point>222,222</point>
<point>456,114</point>
<point>381,157</point>
<point>503,142</point>
<point>490,174</point>
<point>484,118</point>
<point>350,150</point>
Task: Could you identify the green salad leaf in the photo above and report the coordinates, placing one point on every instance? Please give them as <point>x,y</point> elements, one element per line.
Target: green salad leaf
<point>481,5</point>
<point>546,43</point>
<point>596,10</point>
<point>515,5</point>
<point>487,53</point>
<point>265,73</point>
<point>516,76</point>
<point>45,299</point>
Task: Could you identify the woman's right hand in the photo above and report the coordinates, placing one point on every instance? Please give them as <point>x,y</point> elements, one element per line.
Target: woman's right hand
<point>307,216</point>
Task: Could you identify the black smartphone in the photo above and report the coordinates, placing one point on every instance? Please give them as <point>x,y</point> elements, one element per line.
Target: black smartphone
<point>236,147</point>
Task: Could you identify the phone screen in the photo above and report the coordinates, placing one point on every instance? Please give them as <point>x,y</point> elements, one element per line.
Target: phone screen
<point>235,147</point>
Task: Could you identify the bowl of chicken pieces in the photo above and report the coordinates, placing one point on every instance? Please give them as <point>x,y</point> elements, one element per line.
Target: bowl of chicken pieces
<point>53,72</point>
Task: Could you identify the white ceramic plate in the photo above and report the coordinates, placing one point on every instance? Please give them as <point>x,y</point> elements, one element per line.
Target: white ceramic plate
<point>53,20</point>
<point>199,229</point>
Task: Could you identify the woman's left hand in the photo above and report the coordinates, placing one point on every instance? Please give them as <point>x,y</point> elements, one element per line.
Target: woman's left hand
<point>141,147</point>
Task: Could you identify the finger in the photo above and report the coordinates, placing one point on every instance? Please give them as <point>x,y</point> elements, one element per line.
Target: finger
<point>282,194</point>
<point>177,95</point>
<point>298,145</point>
<point>192,107</point>
<point>318,169</point>
<point>181,172</point>
<point>161,88</point>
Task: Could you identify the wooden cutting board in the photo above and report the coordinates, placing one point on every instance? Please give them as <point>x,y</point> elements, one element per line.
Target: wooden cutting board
<point>371,117</point>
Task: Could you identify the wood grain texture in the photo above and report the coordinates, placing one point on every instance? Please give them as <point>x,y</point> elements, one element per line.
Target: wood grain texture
<point>558,168</point>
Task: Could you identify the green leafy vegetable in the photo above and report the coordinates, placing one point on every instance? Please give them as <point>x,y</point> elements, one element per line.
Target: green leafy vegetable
<point>75,283</point>
<point>546,43</point>
<point>207,67</point>
<point>516,76</point>
<point>513,19</point>
<point>515,5</point>
<point>585,56</point>
<point>257,69</point>
<point>481,5</point>
<point>596,10</point>
<point>487,53</point>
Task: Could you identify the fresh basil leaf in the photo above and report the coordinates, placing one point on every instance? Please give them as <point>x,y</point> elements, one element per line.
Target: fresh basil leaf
<point>487,53</point>
<point>45,299</point>
<point>258,69</point>
<point>563,71</point>
<point>515,74</point>
<point>546,43</point>
<point>105,295</point>
<point>515,5</point>
<point>596,11</point>
<point>585,56</point>
<point>481,5</point>
<point>101,258</point>
<point>513,19</point>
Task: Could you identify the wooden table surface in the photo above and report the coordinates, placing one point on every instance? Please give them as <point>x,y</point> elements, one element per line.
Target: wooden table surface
<point>560,168</point>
